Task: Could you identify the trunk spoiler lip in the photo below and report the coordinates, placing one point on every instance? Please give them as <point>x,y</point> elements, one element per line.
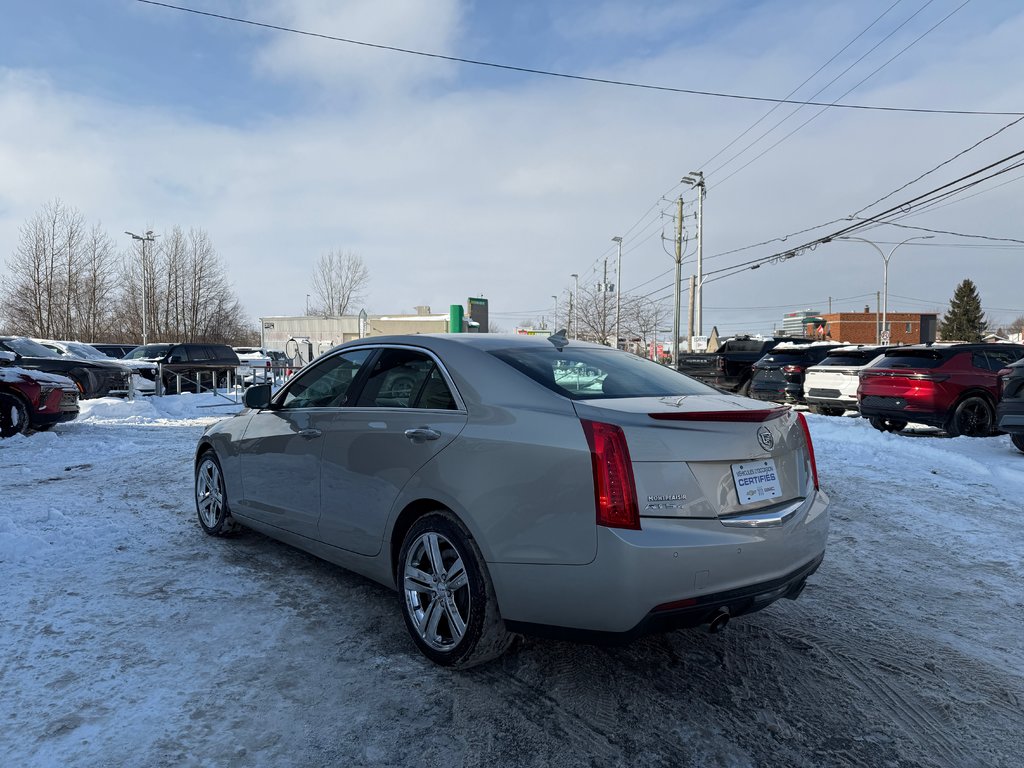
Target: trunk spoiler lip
<point>755,416</point>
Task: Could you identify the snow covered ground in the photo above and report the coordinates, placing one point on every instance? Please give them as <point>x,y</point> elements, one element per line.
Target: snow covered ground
<point>128,638</point>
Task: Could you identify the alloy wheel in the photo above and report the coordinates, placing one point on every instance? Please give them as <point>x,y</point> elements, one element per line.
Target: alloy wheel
<point>436,589</point>
<point>209,493</point>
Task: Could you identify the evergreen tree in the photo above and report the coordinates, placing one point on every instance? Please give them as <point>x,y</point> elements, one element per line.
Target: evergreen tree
<point>964,320</point>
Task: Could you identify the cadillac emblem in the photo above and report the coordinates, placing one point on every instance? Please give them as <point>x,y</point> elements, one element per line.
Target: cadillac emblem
<point>765,439</point>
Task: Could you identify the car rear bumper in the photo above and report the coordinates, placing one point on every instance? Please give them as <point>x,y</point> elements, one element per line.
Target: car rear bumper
<point>671,573</point>
<point>1010,417</point>
<point>900,409</point>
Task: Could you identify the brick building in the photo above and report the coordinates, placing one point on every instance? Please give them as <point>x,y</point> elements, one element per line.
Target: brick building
<point>865,327</point>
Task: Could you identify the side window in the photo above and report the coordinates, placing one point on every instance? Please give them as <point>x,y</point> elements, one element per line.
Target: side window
<point>396,380</point>
<point>1000,358</point>
<point>178,354</point>
<point>978,360</point>
<point>326,385</point>
<point>435,393</point>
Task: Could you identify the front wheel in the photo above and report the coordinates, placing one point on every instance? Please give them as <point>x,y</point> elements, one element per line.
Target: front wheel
<point>1018,441</point>
<point>972,417</point>
<point>212,499</point>
<point>447,599</point>
<point>13,415</point>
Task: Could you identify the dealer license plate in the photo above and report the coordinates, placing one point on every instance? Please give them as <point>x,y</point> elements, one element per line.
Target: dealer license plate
<point>756,481</point>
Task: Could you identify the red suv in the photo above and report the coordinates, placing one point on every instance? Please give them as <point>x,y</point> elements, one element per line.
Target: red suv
<point>951,386</point>
<point>33,399</point>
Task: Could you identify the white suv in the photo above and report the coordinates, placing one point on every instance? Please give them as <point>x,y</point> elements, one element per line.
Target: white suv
<point>830,387</point>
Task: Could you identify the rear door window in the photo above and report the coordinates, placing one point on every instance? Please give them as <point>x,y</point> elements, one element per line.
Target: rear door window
<point>397,378</point>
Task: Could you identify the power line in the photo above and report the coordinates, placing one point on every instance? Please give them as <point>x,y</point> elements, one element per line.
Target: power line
<point>567,76</point>
<point>823,88</point>
<point>817,114</point>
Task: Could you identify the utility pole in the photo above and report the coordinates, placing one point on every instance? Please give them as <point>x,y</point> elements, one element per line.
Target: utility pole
<point>696,180</point>
<point>689,327</point>
<point>878,322</point>
<point>679,277</point>
<point>618,287</point>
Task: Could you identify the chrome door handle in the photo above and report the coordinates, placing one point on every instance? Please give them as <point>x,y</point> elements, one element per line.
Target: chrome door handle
<point>310,433</point>
<point>421,434</point>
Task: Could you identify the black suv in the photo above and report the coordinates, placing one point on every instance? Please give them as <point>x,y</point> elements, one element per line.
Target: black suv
<point>189,367</point>
<point>1010,411</point>
<point>779,375</point>
<point>94,378</point>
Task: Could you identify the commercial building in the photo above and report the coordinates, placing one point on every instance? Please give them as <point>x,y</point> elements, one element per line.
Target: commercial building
<point>866,327</point>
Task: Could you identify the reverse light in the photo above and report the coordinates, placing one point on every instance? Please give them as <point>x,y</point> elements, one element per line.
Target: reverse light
<point>614,487</point>
<point>810,448</point>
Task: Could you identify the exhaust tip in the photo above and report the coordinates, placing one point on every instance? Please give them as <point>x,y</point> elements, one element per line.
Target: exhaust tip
<point>719,622</point>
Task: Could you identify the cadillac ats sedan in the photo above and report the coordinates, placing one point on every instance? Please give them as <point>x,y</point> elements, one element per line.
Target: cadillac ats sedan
<point>508,485</point>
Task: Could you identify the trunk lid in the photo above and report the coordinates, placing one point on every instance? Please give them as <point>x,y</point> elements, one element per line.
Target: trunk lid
<point>707,456</point>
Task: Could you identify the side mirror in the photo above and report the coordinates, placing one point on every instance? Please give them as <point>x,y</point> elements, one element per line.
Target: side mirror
<point>176,359</point>
<point>257,396</point>
<point>7,357</point>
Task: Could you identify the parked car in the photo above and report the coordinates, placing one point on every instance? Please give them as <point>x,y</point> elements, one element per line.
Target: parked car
<point>830,387</point>
<point>460,471</point>
<point>1010,410</point>
<point>189,367</point>
<point>954,387</point>
<point>113,350</point>
<point>33,400</point>
<point>142,374</point>
<point>94,378</point>
<point>779,375</point>
<point>729,367</point>
<point>255,365</point>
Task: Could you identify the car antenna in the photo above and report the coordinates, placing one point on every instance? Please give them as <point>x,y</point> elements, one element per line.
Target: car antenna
<point>558,339</point>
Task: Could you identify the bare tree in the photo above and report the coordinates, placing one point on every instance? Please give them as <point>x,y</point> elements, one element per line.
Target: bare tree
<point>641,319</point>
<point>340,281</point>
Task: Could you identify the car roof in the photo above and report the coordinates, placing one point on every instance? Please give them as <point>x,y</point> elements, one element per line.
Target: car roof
<point>482,341</point>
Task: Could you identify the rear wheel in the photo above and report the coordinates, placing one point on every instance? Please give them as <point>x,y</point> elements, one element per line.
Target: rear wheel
<point>447,599</point>
<point>211,498</point>
<point>744,390</point>
<point>887,425</point>
<point>972,417</point>
<point>13,415</point>
<point>828,410</point>
<point>1018,440</point>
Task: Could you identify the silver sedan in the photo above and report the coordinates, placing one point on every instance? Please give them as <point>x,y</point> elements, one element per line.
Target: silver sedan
<point>508,485</point>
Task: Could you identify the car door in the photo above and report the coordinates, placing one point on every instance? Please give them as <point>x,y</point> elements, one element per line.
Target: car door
<point>280,452</point>
<point>406,412</point>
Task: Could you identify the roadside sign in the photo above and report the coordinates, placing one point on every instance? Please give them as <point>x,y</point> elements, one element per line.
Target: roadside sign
<point>885,337</point>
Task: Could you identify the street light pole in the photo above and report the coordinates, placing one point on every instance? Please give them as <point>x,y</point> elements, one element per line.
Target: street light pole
<point>149,237</point>
<point>618,287</point>
<point>885,274</point>
<point>696,180</point>
<point>676,296</point>
<point>575,305</point>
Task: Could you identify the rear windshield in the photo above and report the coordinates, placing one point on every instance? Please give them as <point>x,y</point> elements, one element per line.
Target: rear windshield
<point>743,345</point>
<point>785,355</point>
<point>851,357</point>
<point>28,348</point>
<point>913,358</point>
<point>149,351</point>
<point>586,373</point>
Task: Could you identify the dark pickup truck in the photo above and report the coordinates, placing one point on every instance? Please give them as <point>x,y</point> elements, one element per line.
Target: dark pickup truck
<point>728,367</point>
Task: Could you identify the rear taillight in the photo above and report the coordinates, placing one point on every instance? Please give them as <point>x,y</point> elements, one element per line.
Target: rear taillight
<point>810,448</point>
<point>1002,379</point>
<point>792,369</point>
<point>614,487</point>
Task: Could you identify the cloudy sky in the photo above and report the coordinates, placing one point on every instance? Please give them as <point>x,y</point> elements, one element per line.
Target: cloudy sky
<point>453,180</point>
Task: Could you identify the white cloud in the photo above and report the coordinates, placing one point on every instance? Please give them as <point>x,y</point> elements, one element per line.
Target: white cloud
<point>505,191</point>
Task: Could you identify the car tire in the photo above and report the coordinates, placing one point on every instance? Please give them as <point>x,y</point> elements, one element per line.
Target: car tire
<point>744,390</point>
<point>446,594</point>
<point>211,497</point>
<point>971,417</point>
<point>883,424</point>
<point>827,410</point>
<point>13,415</point>
<point>1018,441</point>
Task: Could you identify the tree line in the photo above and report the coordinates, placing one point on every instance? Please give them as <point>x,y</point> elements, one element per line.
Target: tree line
<point>67,279</point>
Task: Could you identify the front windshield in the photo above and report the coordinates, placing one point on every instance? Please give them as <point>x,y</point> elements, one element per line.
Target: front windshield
<point>589,373</point>
<point>28,348</point>
<point>148,352</point>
